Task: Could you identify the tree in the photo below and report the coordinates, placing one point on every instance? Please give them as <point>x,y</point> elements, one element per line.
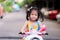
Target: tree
<point>29,1</point>
<point>2,0</point>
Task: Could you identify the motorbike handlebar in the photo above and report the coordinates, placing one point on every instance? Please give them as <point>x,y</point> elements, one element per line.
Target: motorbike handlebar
<point>21,33</point>
<point>46,33</point>
<point>24,33</point>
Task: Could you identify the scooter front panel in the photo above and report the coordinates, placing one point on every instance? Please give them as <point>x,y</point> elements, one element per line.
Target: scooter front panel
<point>30,37</point>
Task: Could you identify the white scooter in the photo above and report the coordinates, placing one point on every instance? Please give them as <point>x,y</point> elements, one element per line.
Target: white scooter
<point>32,35</point>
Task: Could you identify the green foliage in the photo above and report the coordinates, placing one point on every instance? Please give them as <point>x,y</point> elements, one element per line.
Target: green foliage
<point>8,9</point>
<point>29,1</point>
<point>1,1</point>
<point>21,4</point>
<point>8,3</point>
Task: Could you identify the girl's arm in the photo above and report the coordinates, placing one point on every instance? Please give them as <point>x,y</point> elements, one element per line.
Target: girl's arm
<point>42,28</point>
<point>40,24</point>
<point>24,27</point>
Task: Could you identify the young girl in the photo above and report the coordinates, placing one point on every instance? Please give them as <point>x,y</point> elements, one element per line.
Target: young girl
<point>32,24</point>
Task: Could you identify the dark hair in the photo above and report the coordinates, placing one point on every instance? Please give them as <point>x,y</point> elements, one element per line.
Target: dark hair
<point>29,12</point>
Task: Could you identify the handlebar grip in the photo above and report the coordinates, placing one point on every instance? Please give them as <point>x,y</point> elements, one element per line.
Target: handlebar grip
<point>20,32</point>
<point>46,33</point>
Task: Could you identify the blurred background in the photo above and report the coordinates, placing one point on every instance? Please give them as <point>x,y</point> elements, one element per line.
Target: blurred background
<point>13,15</point>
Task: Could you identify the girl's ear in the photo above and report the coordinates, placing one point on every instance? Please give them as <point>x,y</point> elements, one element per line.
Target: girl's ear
<point>28,17</point>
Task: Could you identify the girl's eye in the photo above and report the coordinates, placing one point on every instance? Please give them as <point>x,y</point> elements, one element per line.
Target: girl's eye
<point>32,14</point>
<point>36,15</point>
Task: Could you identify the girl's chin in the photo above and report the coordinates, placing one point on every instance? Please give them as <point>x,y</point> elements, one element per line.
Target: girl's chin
<point>33,20</point>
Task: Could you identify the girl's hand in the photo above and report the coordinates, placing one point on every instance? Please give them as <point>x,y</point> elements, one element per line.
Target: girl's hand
<point>43,28</point>
<point>23,31</point>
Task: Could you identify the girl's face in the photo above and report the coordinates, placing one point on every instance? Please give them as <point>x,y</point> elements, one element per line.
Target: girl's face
<point>34,15</point>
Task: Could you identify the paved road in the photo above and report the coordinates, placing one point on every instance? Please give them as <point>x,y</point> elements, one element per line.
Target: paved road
<point>53,28</point>
<point>11,24</point>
